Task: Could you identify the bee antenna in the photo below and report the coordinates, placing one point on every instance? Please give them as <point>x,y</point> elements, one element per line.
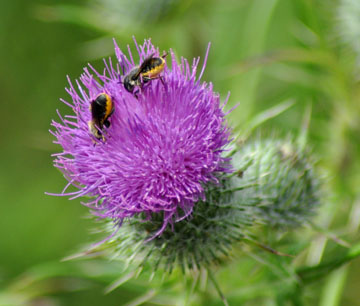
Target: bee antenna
<point>164,54</point>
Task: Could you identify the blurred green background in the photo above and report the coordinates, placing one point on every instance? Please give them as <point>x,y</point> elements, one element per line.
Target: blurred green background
<point>264,51</point>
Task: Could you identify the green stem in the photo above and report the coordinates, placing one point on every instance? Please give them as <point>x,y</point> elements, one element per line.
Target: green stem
<point>307,274</point>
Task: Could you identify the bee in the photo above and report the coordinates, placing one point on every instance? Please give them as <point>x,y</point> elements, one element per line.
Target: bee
<point>102,107</point>
<point>149,69</point>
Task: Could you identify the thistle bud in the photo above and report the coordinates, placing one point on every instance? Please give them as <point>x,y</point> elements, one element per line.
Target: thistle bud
<point>286,185</point>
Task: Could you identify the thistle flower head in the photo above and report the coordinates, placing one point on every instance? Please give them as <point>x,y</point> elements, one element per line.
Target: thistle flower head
<point>164,144</point>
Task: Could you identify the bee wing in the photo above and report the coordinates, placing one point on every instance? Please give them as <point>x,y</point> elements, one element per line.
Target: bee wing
<point>145,63</point>
<point>136,75</point>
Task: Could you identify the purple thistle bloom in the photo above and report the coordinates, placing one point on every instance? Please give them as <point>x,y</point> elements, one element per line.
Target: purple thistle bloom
<point>162,148</point>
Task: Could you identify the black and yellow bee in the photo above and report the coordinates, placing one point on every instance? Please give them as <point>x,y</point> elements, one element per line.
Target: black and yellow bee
<point>149,69</point>
<point>102,107</point>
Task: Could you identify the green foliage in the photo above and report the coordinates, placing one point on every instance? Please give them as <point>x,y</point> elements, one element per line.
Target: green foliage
<point>263,52</point>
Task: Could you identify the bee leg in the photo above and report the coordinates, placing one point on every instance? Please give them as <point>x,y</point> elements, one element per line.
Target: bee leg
<point>100,135</point>
<point>159,77</point>
<point>103,133</point>
<point>136,92</point>
<point>94,142</point>
<point>107,123</point>
<point>162,81</point>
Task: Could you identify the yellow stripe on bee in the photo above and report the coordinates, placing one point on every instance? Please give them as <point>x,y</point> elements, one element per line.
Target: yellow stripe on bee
<point>153,73</point>
<point>109,106</point>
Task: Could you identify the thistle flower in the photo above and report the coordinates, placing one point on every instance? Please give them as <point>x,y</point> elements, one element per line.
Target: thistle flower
<point>287,186</point>
<point>163,147</point>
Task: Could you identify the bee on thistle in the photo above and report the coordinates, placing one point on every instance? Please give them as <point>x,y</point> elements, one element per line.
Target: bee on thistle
<point>101,108</point>
<point>163,152</point>
<point>149,69</point>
